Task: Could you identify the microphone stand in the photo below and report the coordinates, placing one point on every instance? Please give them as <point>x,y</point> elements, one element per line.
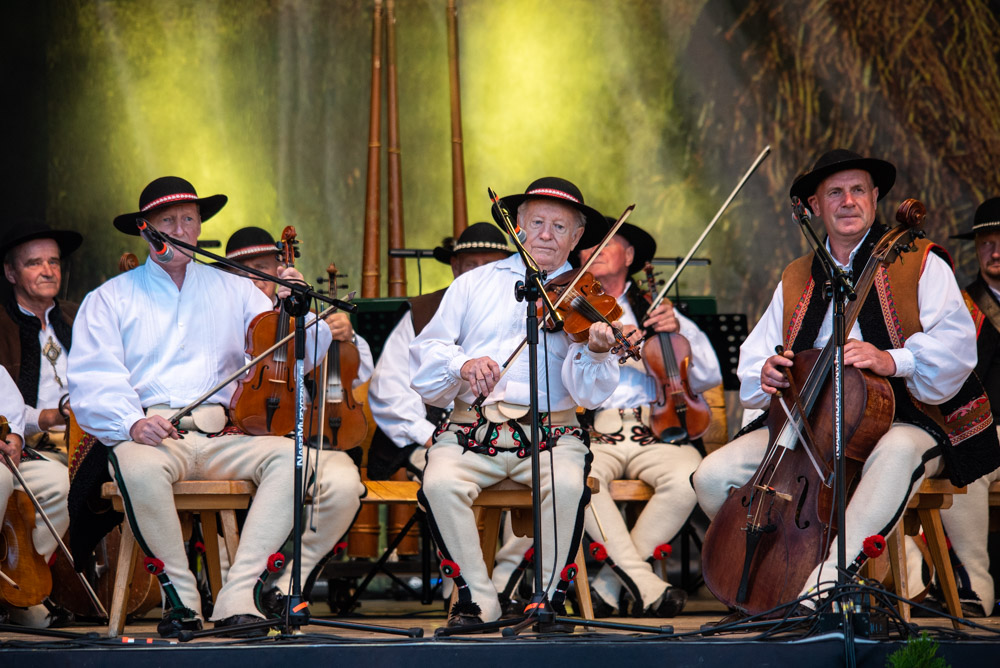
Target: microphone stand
<point>540,611</point>
<point>296,610</point>
<point>841,289</point>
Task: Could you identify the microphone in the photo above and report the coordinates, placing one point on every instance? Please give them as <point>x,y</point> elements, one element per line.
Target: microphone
<point>521,235</point>
<point>799,211</point>
<point>500,214</point>
<point>162,251</point>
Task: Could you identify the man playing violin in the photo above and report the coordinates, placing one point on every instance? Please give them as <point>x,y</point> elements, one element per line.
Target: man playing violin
<point>913,329</point>
<point>339,499</point>
<point>153,340</point>
<point>50,484</point>
<point>455,359</point>
<point>967,520</point>
<point>623,444</point>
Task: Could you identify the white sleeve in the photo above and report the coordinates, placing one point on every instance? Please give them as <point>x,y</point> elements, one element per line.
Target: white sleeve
<point>759,345</point>
<point>436,358</point>
<point>367,365</point>
<point>31,415</point>
<point>11,403</point>
<point>704,372</point>
<point>936,361</point>
<point>103,400</point>
<point>398,410</point>
<point>589,377</point>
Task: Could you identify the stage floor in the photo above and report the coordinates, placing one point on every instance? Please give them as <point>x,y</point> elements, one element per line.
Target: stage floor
<point>687,645</point>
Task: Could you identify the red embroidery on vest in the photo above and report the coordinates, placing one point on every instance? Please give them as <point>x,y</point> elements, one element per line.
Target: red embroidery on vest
<point>888,305</point>
<point>795,324</point>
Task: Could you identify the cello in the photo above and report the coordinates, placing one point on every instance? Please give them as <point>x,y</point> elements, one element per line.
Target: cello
<point>335,413</point>
<point>264,400</point>
<point>772,532</point>
<point>25,578</point>
<point>678,415</point>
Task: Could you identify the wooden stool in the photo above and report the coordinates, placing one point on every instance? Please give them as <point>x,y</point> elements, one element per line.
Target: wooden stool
<point>204,497</point>
<point>516,498</point>
<point>924,510</point>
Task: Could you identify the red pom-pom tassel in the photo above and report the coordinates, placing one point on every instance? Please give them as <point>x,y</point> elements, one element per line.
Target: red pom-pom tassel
<point>153,565</point>
<point>663,551</point>
<point>598,551</point>
<point>450,569</point>
<point>873,546</point>
<point>275,562</point>
<point>569,573</point>
<point>199,546</point>
<point>530,554</point>
<point>339,548</point>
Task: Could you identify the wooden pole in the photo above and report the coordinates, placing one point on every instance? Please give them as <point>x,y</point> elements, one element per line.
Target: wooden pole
<point>460,214</point>
<point>397,265</point>
<point>370,270</point>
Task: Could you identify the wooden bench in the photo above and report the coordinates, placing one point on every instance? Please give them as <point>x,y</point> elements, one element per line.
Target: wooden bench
<point>202,497</point>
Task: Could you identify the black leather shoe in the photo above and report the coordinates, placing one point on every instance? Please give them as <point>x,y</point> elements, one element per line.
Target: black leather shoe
<point>671,603</point>
<point>512,609</point>
<point>464,614</point>
<point>272,602</point>
<point>238,620</point>
<point>171,628</point>
<point>938,608</point>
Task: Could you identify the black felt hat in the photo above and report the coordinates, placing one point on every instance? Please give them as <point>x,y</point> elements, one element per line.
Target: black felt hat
<point>642,242</point>
<point>560,190</point>
<point>250,242</point>
<point>477,238</point>
<point>23,231</point>
<point>987,218</point>
<point>839,160</point>
<point>165,191</point>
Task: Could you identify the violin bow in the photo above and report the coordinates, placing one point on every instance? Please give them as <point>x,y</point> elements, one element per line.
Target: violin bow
<point>604,242</point>
<point>697,244</point>
<point>5,430</point>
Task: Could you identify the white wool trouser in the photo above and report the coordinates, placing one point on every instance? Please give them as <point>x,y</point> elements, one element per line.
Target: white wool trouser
<point>454,477</point>
<point>630,454</point>
<point>893,472</point>
<point>145,475</point>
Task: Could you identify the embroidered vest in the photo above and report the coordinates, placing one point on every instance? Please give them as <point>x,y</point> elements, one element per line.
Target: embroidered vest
<point>962,425</point>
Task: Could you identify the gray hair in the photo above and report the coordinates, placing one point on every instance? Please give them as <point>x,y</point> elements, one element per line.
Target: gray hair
<point>581,220</point>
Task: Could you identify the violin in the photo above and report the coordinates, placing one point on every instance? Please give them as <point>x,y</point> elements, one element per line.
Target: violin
<point>678,415</point>
<point>771,533</point>
<point>264,401</point>
<point>25,579</point>
<point>581,301</point>
<point>343,421</point>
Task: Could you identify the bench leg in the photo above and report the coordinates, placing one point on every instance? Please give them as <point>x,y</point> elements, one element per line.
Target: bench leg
<point>897,565</point>
<point>230,533</point>
<point>583,585</point>
<point>930,518</point>
<point>210,533</point>
<point>127,554</point>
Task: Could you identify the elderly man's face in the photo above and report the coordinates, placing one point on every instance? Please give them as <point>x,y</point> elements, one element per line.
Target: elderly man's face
<point>846,202</point>
<point>614,259</point>
<point>180,221</point>
<point>552,231</point>
<point>467,261</point>
<point>35,270</point>
<point>988,252</point>
<point>267,264</point>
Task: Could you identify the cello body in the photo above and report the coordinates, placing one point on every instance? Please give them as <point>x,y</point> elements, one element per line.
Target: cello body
<point>767,538</point>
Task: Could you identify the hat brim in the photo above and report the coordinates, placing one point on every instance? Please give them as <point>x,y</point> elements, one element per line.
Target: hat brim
<point>443,255</point>
<point>643,246</point>
<point>207,206</point>
<point>883,176</point>
<point>67,240</point>
<point>594,229</point>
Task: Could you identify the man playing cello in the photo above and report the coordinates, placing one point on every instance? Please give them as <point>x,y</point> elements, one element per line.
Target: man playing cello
<point>913,329</point>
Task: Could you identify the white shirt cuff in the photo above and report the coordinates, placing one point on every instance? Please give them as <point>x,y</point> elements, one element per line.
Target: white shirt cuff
<point>905,362</point>
<point>422,432</point>
<point>455,366</point>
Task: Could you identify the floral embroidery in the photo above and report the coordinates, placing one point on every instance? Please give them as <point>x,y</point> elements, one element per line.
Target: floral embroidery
<point>795,324</point>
